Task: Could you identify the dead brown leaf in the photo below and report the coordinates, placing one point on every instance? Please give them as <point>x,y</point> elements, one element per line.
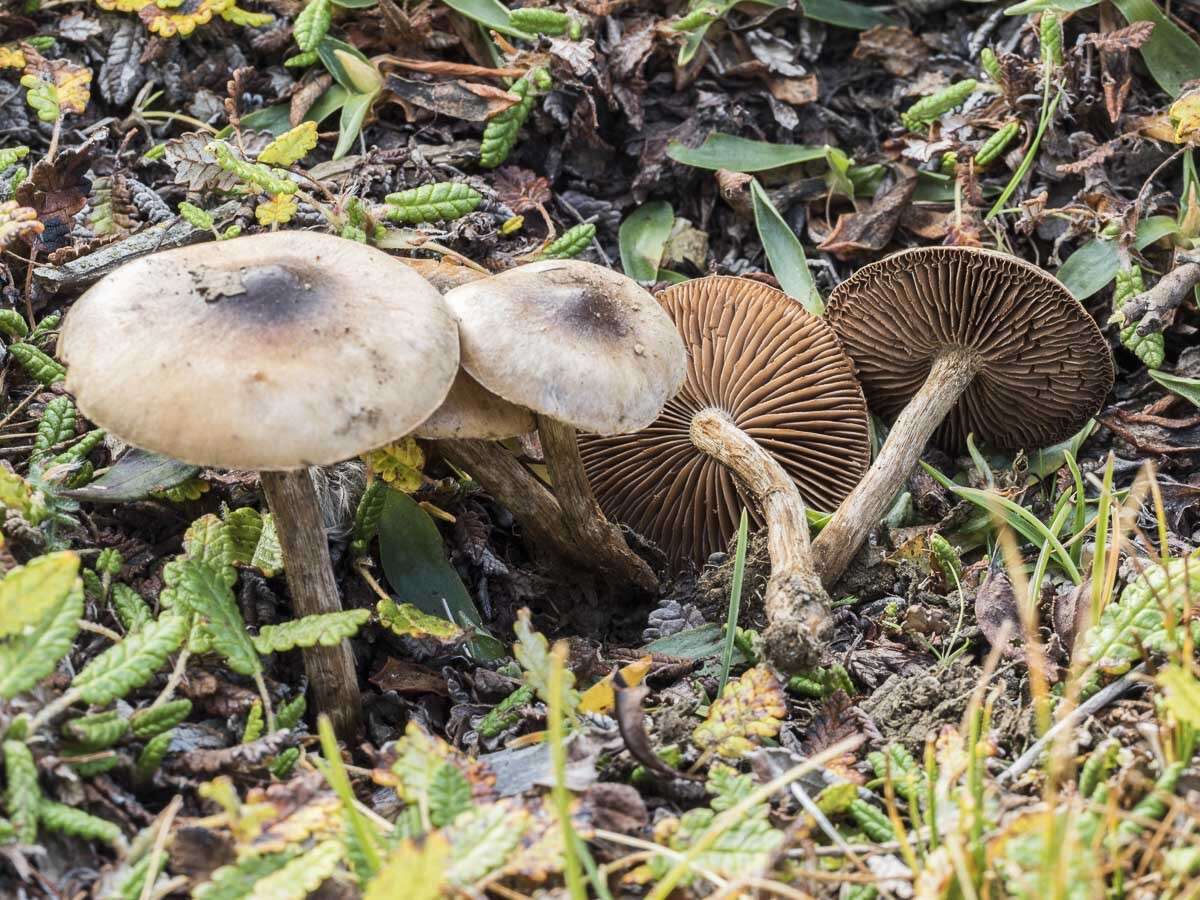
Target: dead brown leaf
<point>859,232</point>
<point>796,91</point>
<point>896,48</point>
<point>457,99</point>
<point>409,678</point>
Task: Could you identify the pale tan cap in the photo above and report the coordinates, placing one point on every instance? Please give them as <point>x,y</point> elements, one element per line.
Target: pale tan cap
<point>268,352</point>
<point>471,411</point>
<point>573,341</point>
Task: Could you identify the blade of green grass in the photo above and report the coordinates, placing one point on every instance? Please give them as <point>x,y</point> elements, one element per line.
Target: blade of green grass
<point>735,601</point>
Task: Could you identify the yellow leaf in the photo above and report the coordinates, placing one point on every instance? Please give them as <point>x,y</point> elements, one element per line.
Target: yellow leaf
<point>31,592</point>
<point>364,76</point>
<point>1185,117</point>
<point>15,492</point>
<point>1183,693</point>
<point>56,86</point>
<point>601,698</point>
<point>277,210</point>
<point>17,223</point>
<point>407,620</point>
<point>413,871</point>
<point>291,146</point>
<point>752,707</point>
<point>399,464</point>
<point>238,16</point>
<point>123,5</point>
<point>11,57</point>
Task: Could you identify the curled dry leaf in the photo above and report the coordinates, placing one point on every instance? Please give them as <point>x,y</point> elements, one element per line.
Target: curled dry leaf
<point>873,229</point>
<point>17,223</point>
<point>997,614</point>
<point>631,721</point>
<point>897,49</point>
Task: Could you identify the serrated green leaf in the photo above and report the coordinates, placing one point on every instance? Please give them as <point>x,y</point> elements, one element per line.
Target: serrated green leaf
<point>291,146</point>
<point>301,876</point>
<point>96,732</point>
<point>28,658</point>
<point>312,24</point>
<point>532,651</point>
<point>234,882</point>
<point>481,841</point>
<point>22,796</point>
<point>291,713</point>
<point>195,216</point>
<point>324,629</point>
<point>128,665</point>
<point>154,720</point>
<point>571,243</point>
<point>56,425</point>
<point>37,365</point>
<point>406,620</point>
<point>751,708</point>
<point>268,554</point>
<point>1182,693</point>
<point>30,593</point>
<point>432,203</point>
<point>254,723</point>
<point>131,609</point>
<point>77,823</point>
<point>208,540</point>
<point>449,795</point>
<point>207,592</point>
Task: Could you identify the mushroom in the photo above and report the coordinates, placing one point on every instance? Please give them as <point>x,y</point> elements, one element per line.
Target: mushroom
<point>270,353</point>
<point>581,347</point>
<point>769,411</point>
<point>958,340</point>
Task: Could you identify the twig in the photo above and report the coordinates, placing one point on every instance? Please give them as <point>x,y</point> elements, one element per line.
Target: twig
<point>1172,290</point>
<point>1093,704</point>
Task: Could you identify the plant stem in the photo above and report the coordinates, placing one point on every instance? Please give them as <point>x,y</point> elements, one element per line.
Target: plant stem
<point>331,671</point>
<point>556,736</point>
<point>599,541</point>
<point>796,604</point>
<point>838,542</point>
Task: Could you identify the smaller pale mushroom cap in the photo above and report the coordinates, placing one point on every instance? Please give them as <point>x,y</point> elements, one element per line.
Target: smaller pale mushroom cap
<point>571,340</point>
<point>471,411</point>
<point>269,352</point>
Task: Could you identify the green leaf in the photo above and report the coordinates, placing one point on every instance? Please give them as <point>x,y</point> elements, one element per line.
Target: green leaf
<point>37,365</point>
<point>301,876</point>
<point>131,663</point>
<point>56,425</point>
<point>414,562</point>
<point>449,795</point>
<point>268,554</point>
<point>1182,693</point>
<point>1036,6</point>
<point>30,593</point>
<point>737,154</point>
<point>236,881</point>
<point>784,252</point>
<point>22,796</point>
<point>75,822</point>
<point>28,658</point>
<point>137,474</point>
<point>328,51</point>
<point>845,14</point>
<point>532,651</point>
<point>206,591</point>
<point>571,243</point>
<point>129,606</point>
<point>1093,266</point>
<point>482,841</point>
<point>643,236</point>
<point>1138,622</point>
<point>489,14</point>
<point>406,620</point>
<point>354,113</point>
<point>432,203</point>
<point>355,4</point>
<point>155,720</point>
<point>209,540</point>
<point>291,146</point>
<point>325,629</point>
<point>312,24</point>
<point>1187,388</point>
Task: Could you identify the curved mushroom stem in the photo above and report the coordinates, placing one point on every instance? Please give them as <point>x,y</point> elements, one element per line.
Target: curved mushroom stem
<point>331,671</point>
<point>796,604</point>
<point>516,489</point>
<point>597,541</point>
<point>951,374</point>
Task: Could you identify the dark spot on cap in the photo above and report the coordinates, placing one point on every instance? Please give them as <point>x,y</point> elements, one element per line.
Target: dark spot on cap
<point>591,310</point>
<point>275,295</point>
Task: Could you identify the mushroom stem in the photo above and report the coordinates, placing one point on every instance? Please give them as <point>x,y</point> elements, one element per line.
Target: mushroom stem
<point>796,604</point>
<point>331,671</point>
<point>516,489</point>
<point>595,539</point>
<point>949,376</point>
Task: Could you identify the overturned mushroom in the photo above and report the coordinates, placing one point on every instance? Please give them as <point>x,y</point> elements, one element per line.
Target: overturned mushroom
<point>769,411</point>
<point>270,353</point>
<point>958,340</point>
<point>582,347</point>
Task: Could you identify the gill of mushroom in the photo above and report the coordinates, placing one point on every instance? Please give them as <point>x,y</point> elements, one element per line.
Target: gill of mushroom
<point>769,416</point>
<point>584,348</point>
<point>953,341</point>
<point>273,353</point>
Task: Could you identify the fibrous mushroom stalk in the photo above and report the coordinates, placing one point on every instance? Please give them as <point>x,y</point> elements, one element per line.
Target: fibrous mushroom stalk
<point>796,605</point>
<point>949,377</point>
<point>598,539</point>
<point>331,671</point>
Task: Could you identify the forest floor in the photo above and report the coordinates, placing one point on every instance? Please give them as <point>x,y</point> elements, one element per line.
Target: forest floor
<point>1008,704</point>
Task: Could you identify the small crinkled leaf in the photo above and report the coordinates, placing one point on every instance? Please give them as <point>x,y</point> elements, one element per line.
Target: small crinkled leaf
<point>210,541</point>
<point>449,795</point>
<point>15,492</point>
<point>325,629</point>
<point>22,796</point>
<point>1182,693</point>
<point>532,651</point>
<point>312,24</point>
<point>130,607</point>
<point>406,620</point>
<point>268,554</point>
<point>28,658</point>
<point>301,876</point>
<point>291,146</point>
<point>421,869</point>
<point>77,823</point>
<point>233,882</point>
<point>1137,622</point>
<point>128,665</point>
<point>205,591</point>
<point>752,707</point>
<point>278,209</point>
<point>399,464</point>
<point>482,840</point>
<point>30,593</point>
<point>155,720</point>
<point>432,203</point>
<point>17,223</point>
<point>241,529</point>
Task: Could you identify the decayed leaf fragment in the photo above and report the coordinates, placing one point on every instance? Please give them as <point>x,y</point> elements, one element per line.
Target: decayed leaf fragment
<point>1184,116</point>
<point>752,707</point>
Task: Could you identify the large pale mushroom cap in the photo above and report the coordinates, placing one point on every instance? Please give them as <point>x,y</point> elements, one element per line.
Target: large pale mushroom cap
<point>1046,368</point>
<point>779,374</point>
<point>574,341</point>
<point>268,352</point>
<point>470,411</point>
